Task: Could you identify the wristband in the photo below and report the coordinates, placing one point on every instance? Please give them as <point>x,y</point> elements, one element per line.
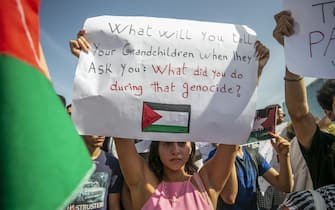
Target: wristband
<point>293,80</point>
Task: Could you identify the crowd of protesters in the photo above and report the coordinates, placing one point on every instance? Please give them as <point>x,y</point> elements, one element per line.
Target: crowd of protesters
<point>302,175</point>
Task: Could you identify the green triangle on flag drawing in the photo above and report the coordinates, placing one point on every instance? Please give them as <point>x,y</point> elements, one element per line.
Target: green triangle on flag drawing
<point>44,161</point>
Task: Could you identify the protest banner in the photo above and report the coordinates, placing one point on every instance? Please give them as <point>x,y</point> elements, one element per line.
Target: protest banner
<point>311,50</point>
<point>166,79</point>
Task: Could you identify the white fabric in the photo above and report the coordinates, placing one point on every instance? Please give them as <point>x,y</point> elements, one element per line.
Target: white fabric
<point>302,177</point>
<point>204,148</point>
<point>319,202</point>
<point>143,146</point>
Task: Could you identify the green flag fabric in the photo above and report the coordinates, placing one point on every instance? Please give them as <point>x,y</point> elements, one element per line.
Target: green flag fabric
<point>43,160</point>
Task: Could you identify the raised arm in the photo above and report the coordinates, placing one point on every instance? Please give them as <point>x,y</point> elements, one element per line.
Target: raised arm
<point>133,166</point>
<point>283,180</point>
<point>295,90</point>
<point>230,189</point>
<point>137,175</point>
<point>217,170</point>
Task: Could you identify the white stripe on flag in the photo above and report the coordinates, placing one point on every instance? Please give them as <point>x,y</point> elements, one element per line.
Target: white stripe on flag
<point>172,118</point>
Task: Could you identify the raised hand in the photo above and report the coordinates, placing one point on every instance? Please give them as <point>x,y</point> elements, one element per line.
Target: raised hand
<point>263,55</point>
<point>81,43</point>
<point>281,145</point>
<point>284,26</point>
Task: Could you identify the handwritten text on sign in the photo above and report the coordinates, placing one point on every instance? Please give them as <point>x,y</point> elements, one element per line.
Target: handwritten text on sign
<point>166,79</point>
<point>311,50</point>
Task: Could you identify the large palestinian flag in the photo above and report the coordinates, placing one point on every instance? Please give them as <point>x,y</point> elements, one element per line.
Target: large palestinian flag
<point>43,160</point>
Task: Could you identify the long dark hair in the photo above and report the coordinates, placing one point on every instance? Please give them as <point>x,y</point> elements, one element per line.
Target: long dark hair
<point>156,164</point>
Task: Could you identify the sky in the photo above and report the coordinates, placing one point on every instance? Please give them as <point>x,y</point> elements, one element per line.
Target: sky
<point>61,20</point>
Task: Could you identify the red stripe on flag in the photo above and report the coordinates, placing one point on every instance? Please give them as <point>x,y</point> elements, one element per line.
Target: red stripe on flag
<point>22,41</point>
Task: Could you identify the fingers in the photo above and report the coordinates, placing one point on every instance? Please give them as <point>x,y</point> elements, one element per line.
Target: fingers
<point>281,145</point>
<point>261,50</point>
<point>263,55</point>
<point>83,43</point>
<point>277,138</point>
<point>79,44</point>
<point>82,32</point>
<point>284,27</point>
<point>74,47</point>
<point>280,14</point>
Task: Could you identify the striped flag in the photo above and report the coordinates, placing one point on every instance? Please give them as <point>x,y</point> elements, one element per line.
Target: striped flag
<point>43,160</point>
<point>166,118</point>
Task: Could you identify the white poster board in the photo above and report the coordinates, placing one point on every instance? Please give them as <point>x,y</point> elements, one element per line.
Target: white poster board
<point>166,79</point>
<point>311,50</point>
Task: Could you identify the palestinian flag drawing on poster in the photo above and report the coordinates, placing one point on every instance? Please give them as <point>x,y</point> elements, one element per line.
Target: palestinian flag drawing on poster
<point>166,118</point>
<point>43,160</point>
<point>265,121</point>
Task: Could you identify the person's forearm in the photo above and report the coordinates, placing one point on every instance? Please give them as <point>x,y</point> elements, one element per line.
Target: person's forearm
<point>285,174</point>
<point>230,189</point>
<point>219,167</point>
<point>295,95</point>
<point>296,100</point>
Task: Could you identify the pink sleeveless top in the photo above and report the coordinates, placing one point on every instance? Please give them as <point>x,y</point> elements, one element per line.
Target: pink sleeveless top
<point>179,195</point>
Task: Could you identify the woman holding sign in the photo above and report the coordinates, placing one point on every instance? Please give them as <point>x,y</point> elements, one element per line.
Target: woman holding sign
<point>169,180</point>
